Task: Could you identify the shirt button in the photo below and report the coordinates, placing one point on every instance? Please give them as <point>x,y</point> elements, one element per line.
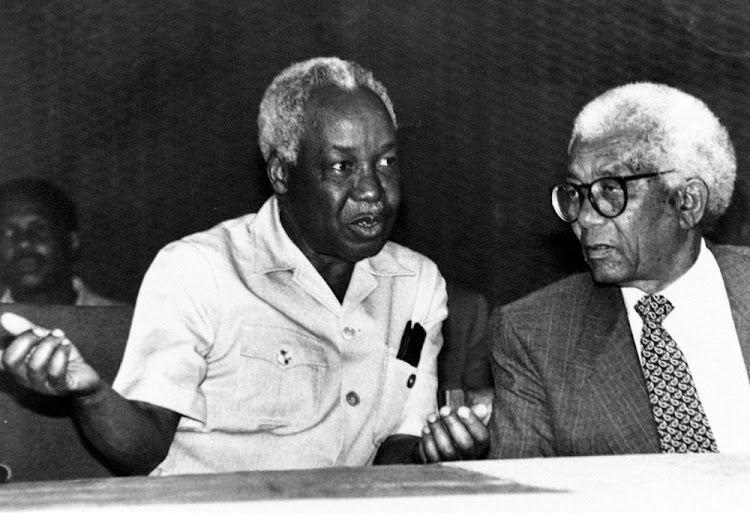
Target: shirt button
<point>352,398</point>
<point>348,333</point>
<point>284,357</point>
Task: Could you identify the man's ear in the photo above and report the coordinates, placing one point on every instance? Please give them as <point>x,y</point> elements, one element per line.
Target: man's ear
<point>692,203</point>
<point>278,174</point>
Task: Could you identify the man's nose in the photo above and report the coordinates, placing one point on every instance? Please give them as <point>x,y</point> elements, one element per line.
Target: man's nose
<point>588,215</point>
<point>20,239</point>
<point>367,186</point>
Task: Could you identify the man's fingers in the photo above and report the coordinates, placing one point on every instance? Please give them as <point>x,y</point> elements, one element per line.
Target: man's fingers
<point>27,334</point>
<point>37,357</point>
<point>442,435</point>
<point>463,435</point>
<point>480,401</point>
<point>427,447</point>
<point>38,362</point>
<point>457,432</point>
<point>477,429</point>
<point>483,412</point>
<point>15,324</point>
<point>21,349</point>
<point>58,365</point>
<point>473,423</point>
<point>39,354</point>
<point>454,435</point>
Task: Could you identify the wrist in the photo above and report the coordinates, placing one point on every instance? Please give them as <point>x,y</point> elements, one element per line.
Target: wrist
<point>92,395</point>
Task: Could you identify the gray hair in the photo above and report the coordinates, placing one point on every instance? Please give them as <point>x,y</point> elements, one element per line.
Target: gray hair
<point>283,106</point>
<point>674,131</point>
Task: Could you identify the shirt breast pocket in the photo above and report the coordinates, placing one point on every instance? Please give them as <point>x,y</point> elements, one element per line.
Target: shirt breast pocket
<point>282,380</point>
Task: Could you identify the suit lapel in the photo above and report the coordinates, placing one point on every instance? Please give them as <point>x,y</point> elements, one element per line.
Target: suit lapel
<point>615,403</point>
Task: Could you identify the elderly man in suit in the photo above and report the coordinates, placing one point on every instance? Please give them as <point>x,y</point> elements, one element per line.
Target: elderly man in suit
<point>649,351</point>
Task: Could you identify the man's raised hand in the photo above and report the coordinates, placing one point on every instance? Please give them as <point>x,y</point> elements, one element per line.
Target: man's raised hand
<point>45,361</point>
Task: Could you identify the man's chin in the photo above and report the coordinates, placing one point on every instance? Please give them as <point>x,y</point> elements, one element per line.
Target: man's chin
<point>605,276</point>
<point>361,251</point>
<point>29,282</point>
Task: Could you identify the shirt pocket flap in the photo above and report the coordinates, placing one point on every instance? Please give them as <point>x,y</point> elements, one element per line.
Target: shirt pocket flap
<point>284,348</point>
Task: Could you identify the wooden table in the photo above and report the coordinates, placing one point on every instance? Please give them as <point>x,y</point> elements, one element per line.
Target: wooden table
<point>715,482</point>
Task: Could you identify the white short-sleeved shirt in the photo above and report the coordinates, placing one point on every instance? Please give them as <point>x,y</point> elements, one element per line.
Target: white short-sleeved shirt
<point>235,330</point>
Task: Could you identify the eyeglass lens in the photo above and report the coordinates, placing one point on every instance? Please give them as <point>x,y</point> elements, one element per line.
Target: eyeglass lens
<point>606,195</point>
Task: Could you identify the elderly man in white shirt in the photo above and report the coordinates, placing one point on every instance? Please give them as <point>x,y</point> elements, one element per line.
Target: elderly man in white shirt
<point>296,337</point>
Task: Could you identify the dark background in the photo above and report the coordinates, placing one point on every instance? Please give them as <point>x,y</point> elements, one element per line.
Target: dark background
<point>145,112</point>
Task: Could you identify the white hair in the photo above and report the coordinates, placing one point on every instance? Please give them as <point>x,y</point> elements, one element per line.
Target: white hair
<point>674,131</point>
<point>283,106</point>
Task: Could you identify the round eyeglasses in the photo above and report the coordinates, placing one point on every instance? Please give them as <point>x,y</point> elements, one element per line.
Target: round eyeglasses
<point>608,195</point>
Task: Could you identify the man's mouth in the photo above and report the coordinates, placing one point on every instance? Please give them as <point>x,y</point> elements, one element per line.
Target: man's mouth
<point>368,225</point>
<point>28,264</point>
<point>596,251</point>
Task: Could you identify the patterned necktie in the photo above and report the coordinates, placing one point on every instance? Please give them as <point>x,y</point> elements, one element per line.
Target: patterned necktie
<point>679,415</point>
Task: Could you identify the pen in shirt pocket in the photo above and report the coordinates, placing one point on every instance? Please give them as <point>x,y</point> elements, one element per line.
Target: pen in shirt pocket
<point>410,348</point>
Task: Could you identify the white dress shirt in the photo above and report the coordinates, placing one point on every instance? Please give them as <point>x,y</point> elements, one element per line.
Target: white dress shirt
<point>702,326</point>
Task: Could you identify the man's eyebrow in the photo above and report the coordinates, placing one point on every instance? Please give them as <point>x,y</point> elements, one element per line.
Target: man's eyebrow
<point>615,169</point>
<point>350,149</point>
<point>342,149</point>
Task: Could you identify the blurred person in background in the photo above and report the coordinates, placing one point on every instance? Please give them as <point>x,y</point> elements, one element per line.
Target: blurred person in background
<point>39,246</point>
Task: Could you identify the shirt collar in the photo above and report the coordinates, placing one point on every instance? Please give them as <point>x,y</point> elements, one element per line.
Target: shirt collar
<point>270,249</point>
<point>694,279</point>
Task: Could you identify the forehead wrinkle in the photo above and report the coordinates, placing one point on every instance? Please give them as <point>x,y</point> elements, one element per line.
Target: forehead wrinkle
<point>345,134</point>
<point>607,156</point>
<point>346,122</point>
<point>384,147</point>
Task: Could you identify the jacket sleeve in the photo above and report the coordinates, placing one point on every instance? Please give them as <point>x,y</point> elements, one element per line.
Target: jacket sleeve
<point>520,426</point>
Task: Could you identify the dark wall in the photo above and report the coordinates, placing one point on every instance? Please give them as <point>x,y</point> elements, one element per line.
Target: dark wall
<point>145,111</point>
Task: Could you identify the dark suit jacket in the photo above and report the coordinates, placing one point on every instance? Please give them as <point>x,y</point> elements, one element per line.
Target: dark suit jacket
<point>568,379</point>
<point>464,360</point>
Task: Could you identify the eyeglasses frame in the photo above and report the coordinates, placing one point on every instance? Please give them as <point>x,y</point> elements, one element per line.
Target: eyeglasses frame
<point>621,180</point>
